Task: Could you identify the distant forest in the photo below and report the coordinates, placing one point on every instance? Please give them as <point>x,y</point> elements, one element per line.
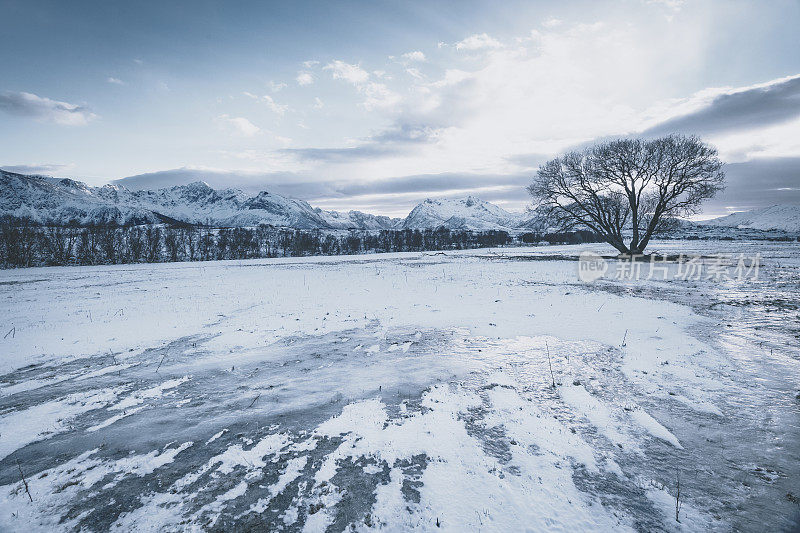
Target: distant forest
<point>26,245</point>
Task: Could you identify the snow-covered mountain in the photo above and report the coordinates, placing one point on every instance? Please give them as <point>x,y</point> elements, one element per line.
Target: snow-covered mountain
<point>468,213</point>
<point>63,202</point>
<point>776,217</point>
<point>55,201</point>
<point>357,219</point>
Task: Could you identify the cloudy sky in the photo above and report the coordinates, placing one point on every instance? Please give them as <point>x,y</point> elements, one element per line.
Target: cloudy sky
<point>376,105</point>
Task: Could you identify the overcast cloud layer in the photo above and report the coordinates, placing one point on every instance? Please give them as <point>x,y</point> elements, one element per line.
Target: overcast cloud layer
<point>376,106</point>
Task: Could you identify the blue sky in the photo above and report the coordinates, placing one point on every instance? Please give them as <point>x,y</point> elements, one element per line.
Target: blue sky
<point>377,105</point>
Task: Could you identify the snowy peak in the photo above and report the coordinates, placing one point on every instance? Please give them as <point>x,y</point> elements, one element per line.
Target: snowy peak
<point>200,186</point>
<point>775,217</point>
<point>45,200</point>
<point>469,213</point>
<point>357,220</point>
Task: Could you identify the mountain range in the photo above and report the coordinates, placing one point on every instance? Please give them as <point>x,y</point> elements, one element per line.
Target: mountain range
<point>63,201</point>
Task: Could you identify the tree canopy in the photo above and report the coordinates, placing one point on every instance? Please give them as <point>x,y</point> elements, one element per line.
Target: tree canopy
<point>626,189</point>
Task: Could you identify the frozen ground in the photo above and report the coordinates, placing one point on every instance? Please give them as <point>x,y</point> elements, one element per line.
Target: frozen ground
<point>400,391</point>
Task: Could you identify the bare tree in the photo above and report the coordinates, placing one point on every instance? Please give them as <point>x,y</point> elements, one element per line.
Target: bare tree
<point>152,244</point>
<point>628,185</point>
<point>206,244</point>
<point>134,241</point>
<point>58,244</point>
<point>110,243</point>
<point>87,247</point>
<point>173,243</point>
<point>13,245</point>
<point>190,237</point>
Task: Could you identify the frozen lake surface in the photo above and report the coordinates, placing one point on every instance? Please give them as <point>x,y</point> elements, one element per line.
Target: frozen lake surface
<point>401,391</point>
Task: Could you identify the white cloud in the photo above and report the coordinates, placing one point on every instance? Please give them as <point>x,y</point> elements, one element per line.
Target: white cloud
<point>38,168</point>
<point>452,77</point>
<point>44,109</point>
<point>344,71</point>
<point>524,101</point>
<point>414,56</point>
<point>479,41</point>
<point>558,87</point>
<point>276,87</point>
<point>238,126</point>
<point>115,81</point>
<point>561,85</point>
<point>415,73</point>
<point>378,96</point>
<point>258,160</point>
<point>304,78</point>
<point>497,104</point>
<point>674,5</point>
<point>778,140</point>
<point>284,141</point>
<point>278,109</point>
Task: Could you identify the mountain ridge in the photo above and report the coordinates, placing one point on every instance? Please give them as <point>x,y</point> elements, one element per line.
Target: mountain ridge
<point>782,217</point>
<point>64,201</point>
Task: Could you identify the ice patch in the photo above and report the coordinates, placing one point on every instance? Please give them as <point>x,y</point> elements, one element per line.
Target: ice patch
<point>462,487</point>
<point>216,436</point>
<point>654,427</point>
<point>20,428</point>
<point>527,426</point>
<point>113,419</point>
<point>148,394</point>
<point>294,468</point>
<point>252,458</point>
<point>597,412</point>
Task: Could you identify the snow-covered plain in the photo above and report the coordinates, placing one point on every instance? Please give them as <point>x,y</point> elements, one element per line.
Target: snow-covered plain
<point>397,392</point>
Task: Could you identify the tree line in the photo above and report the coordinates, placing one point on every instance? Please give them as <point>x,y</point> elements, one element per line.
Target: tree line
<point>28,245</point>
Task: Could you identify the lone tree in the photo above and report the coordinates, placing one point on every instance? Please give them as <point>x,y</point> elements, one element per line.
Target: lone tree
<point>628,186</point>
